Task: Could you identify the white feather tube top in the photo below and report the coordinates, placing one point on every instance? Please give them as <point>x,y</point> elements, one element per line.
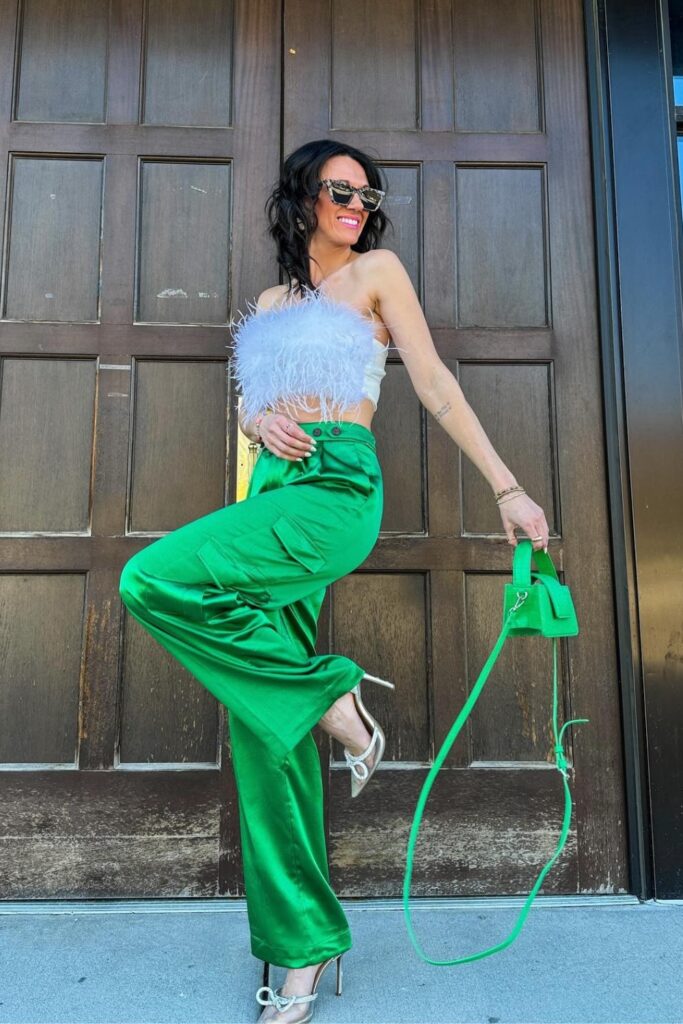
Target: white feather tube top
<point>311,348</point>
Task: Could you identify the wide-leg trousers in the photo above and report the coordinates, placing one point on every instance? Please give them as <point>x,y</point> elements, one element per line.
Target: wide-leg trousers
<point>235,597</point>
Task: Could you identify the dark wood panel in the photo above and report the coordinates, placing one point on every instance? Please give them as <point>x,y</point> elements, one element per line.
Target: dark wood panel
<point>52,267</point>
<point>62,64</point>
<point>33,496</point>
<point>188,62</point>
<point>502,255</point>
<point>184,243</point>
<point>178,444</point>
<point>373,45</point>
<point>497,60</point>
<point>40,654</point>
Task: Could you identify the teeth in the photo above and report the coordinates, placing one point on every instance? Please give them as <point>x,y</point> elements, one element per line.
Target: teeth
<point>349,220</point>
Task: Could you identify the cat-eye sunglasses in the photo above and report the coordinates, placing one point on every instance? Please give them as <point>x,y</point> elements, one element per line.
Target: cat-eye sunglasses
<point>341,193</point>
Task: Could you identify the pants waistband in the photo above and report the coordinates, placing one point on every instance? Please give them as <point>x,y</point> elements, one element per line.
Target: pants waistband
<point>339,430</point>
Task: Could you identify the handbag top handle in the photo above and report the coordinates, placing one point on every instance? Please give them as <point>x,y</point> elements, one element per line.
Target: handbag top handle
<point>521,565</point>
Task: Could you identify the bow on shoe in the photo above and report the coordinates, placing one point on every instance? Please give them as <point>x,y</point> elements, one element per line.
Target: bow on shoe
<point>282,1002</point>
<point>357,762</point>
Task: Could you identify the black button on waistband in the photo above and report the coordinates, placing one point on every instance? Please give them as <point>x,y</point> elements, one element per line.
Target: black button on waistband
<point>336,430</point>
<point>317,431</point>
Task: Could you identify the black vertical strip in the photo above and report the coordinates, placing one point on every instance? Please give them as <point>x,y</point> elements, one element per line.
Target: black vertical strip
<point>639,240</point>
<point>623,560</point>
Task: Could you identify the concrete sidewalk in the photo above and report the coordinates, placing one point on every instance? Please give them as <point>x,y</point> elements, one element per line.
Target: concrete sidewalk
<point>577,960</point>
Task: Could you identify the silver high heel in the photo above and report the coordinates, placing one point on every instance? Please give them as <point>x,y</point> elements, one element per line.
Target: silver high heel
<point>281,1004</point>
<point>360,773</point>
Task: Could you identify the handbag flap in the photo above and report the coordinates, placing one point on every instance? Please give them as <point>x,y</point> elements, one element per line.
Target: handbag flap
<point>560,596</point>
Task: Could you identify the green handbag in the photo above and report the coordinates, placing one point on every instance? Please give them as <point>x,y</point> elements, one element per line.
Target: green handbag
<point>534,604</point>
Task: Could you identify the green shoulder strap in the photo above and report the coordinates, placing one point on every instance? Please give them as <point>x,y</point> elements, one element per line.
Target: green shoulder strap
<point>521,577</point>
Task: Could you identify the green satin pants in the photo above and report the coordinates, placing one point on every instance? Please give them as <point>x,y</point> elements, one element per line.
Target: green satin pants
<point>235,597</point>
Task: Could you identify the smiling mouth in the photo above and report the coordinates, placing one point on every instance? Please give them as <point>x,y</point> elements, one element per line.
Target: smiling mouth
<point>349,221</point>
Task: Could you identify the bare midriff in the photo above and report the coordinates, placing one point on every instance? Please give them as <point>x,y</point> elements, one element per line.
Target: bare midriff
<point>361,413</point>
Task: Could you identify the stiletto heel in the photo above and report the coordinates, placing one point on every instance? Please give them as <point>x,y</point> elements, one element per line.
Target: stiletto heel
<point>360,773</point>
<point>338,959</point>
<point>376,679</point>
<point>282,1003</point>
<point>339,975</point>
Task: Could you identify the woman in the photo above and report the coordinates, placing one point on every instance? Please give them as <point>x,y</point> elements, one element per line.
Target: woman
<point>235,595</point>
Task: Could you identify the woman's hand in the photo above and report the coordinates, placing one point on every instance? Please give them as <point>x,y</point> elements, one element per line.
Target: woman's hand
<point>285,438</point>
<point>528,516</point>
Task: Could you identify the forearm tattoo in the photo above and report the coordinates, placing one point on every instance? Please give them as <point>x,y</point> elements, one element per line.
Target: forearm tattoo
<point>442,411</point>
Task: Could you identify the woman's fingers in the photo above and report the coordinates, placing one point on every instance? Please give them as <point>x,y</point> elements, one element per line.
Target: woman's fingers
<point>509,531</point>
<point>286,439</point>
<point>523,513</point>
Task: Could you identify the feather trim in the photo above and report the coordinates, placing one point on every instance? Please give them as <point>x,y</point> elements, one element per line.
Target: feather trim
<point>313,346</point>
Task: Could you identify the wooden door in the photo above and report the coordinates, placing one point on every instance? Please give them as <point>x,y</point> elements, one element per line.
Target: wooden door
<point>134,229</point>
<point>138,139</point>
<point>478,114</point>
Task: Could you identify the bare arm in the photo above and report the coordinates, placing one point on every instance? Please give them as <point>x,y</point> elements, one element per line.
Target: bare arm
<point>441,394</point>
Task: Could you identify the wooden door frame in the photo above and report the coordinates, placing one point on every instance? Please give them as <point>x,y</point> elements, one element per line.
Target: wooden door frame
<point>638,251</point>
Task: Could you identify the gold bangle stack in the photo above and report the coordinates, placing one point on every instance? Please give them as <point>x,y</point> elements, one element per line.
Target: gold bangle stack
<point>512,492</point>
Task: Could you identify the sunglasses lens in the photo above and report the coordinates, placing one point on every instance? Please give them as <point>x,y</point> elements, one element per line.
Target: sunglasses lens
<point>341,195</point>
<point>371,199</point>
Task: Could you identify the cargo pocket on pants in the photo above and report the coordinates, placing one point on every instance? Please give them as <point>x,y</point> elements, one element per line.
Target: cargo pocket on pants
<point>234,569</point>
<point>297,544</point>
<point>254,563</point>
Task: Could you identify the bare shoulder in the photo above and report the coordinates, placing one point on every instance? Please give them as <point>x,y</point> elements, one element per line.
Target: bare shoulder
<point>381,268</point>
<point>270,296</point>
<point>378,261</point>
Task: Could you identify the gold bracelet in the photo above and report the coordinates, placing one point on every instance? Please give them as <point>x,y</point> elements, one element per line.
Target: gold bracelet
<point>511,497</point>
<point>515,487</point>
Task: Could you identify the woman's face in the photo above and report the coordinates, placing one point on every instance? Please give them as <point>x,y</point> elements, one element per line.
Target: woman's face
<point>341,225</point>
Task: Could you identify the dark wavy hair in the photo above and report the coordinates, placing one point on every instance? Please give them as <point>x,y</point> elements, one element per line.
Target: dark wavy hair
<point>287,207</point>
